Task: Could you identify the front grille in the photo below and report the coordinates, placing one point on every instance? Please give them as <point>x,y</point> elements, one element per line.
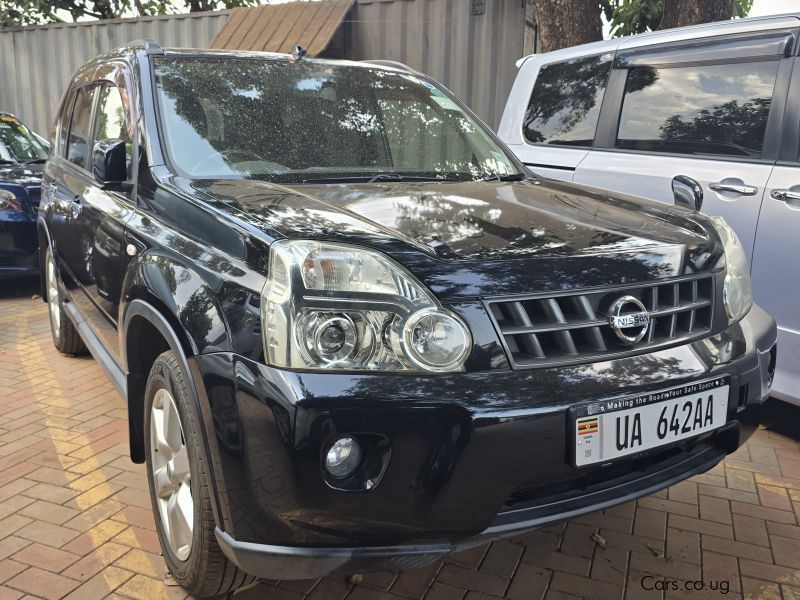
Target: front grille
<point>573,328</point>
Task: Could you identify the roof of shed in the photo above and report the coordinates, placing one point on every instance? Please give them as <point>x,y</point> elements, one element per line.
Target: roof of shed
<point>279,27</point>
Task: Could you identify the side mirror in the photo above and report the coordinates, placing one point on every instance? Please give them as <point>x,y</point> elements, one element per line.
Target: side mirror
<point>687,192</point>
<point>109,161</point>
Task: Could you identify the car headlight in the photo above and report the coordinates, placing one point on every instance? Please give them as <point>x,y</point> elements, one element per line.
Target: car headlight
<point>331,306</point>
<point>737,292</point>
<point>8,201</point>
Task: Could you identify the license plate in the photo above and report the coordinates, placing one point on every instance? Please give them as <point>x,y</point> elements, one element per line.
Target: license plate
<point>615,428</point>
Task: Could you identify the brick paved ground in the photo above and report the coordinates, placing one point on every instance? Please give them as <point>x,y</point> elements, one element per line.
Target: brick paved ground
<point>75,516</point>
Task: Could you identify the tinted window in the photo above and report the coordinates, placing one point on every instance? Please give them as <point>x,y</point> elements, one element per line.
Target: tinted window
<point>17,144</point>
<point>566,101</point>
<point>63,126</point>
<point>78,138</point>
<point>709,109</point>
<point>112,121</point>
<point>299,121</point>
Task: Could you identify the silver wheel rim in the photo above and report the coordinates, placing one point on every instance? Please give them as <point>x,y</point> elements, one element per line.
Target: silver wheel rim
<point>52,296</point>
<point>171,474</point>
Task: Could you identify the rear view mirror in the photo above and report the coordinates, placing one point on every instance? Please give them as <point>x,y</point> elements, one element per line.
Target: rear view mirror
<point>687,192</point>
<point>109,161</point>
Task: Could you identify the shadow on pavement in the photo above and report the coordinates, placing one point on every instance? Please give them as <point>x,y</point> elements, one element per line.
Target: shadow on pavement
<point>25,287</point>
<point>783,418</point>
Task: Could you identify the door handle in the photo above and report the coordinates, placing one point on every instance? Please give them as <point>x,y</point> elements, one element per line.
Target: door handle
<point>785,195</point>
<point>733,188</point>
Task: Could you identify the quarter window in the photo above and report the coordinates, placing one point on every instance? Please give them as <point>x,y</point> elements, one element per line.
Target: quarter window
<point>709,109</point>
<point>566,100</point>
<point>78,138</point>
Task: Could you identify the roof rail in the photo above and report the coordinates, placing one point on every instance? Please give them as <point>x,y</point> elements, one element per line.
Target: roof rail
<point>149,46</point>
<point>391,63</point>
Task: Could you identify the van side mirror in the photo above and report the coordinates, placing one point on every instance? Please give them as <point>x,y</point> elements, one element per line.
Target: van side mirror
<point>687,192</point>
<point>109,161</point>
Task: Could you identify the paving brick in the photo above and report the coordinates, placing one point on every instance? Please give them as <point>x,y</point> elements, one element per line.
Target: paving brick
<point>700,526</point>
<point>750,530</point>
<point>785,550</point>
<point>47,511</point>
<point>654,565</point>
<point>47,533</point>
<point>720,567</point>
<point>715,509</point>
<point>756,589</point>
<point>737,549</point>
<point>671,506</point>
<point>650,523</point>
<point>45,557</point>
<point>40,583</point>
<point>529,583</point>
<point>775,573</point>
<point>473,580</point>
<point>584,587</point>
<point>683,545</point>
<point>763,512</point>
<point>501,559</point>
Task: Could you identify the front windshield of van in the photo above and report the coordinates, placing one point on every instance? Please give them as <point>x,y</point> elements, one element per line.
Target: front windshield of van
<point>308,121</point>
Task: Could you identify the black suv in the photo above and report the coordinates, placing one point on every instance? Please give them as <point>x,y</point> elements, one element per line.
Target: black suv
<point>354,333</point>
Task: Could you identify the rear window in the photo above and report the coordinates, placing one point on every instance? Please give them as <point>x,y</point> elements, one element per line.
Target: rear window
<point>565,102</point>
<point>708,109</point>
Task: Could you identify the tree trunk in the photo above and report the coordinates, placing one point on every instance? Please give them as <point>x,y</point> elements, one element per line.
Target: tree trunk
<point>564,23</point>
<point>679,13</point>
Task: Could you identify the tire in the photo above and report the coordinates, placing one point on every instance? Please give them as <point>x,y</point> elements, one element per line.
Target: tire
<point>65,335</point>
<point>179,484</point>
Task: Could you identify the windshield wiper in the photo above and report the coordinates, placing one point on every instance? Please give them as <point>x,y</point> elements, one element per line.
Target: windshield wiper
<point>376,177</point>
<point>498,177</point>
<point>35,161</point>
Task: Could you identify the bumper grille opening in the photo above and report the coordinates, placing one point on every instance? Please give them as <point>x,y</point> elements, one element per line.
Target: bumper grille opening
<point>574,327</point>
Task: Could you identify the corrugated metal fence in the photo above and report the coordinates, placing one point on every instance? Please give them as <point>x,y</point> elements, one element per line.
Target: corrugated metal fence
<point>37,62</point>
<point>469,45</point>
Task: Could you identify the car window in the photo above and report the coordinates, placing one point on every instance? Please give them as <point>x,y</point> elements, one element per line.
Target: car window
<point>302,121</point>
<point>709,109</point>
<point>565,102</point>
<point>112,120</point>
<point>63,125</point>
<point>78,137</point>
<point>17,143</point>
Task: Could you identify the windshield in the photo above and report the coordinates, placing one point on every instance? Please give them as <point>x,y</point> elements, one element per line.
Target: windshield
<point>307,121</point>
<point>17,144</point>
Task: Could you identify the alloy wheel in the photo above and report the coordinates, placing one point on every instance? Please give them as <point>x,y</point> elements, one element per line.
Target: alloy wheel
<point>171,474</point>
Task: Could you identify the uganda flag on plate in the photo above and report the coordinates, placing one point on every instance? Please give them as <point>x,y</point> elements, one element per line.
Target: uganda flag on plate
<point>587,426</point>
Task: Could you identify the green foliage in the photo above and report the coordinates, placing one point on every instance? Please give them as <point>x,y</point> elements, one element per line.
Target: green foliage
<point>628,17</point>
<point>16,13</point>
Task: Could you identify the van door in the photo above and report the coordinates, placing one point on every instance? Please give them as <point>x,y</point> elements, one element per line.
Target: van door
<point>776,272</point>
<point>710,111</point>
<point>563,99</point>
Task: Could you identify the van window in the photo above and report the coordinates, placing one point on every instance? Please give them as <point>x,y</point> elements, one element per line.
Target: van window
<point>566,100</point>
<point>78,138</point>
<point>709,109</point>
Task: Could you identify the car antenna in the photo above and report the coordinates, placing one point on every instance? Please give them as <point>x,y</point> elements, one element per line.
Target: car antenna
<point>299,52</point>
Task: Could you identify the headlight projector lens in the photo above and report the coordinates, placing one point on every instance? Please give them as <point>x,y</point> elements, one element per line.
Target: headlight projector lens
<point>436,340</point>
<point>343,458</point>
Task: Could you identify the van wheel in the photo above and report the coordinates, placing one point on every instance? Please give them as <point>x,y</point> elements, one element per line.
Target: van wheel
<point>179,487</point>
<point>65,335</point>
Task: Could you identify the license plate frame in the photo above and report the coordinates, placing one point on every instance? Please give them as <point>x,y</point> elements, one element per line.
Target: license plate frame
<point>632,402</point>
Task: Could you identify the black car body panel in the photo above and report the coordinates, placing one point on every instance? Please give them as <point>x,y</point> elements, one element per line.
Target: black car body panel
<point>170,262</point>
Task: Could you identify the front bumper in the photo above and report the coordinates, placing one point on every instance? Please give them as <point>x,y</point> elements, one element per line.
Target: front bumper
<point>472,457</point>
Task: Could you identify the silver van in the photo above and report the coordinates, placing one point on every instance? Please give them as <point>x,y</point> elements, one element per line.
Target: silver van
<point>707,116</point>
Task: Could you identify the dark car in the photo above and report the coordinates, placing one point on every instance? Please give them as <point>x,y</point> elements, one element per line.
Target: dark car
<point>22,155</point>
<point>354,333</point>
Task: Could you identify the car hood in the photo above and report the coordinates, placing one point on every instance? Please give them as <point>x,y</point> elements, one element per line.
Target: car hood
<point>473,232</point>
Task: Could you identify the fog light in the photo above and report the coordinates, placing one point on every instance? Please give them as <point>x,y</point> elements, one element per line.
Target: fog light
<point>343,458</point>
